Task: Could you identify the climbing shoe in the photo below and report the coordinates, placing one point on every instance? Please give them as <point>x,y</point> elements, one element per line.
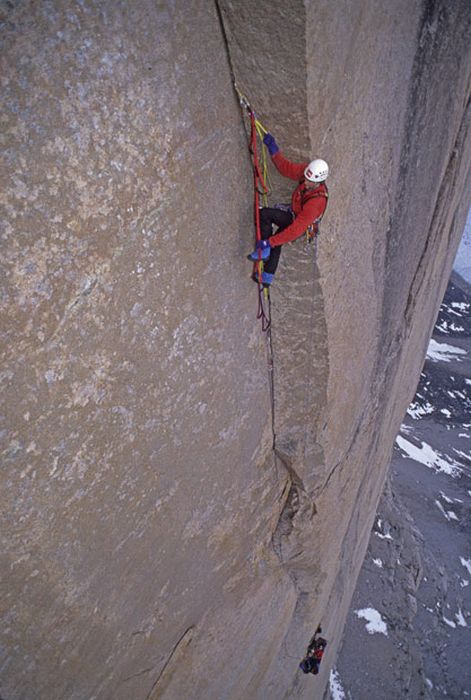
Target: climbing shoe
<point>267,278</point>
<point>261,252</point>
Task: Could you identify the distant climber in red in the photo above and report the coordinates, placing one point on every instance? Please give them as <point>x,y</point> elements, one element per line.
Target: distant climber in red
<point>314,653</point>
<point>308,204</point>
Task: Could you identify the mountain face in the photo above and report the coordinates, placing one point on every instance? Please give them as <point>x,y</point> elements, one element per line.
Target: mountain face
<point>416,578</point>
<point>172,527</point>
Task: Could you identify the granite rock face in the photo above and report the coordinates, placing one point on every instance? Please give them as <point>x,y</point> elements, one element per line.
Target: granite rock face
<point>167,530</point>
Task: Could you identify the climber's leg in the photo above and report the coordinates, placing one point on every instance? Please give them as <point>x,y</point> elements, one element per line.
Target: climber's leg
<point>281,219</point>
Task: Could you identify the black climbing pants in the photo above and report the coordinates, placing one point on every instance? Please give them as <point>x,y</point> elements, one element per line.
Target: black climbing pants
<point>280,218</point>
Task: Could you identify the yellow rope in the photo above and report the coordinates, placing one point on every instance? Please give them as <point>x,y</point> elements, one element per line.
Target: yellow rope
<point>261,131</point>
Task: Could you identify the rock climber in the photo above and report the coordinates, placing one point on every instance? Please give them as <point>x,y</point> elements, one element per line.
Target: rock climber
<point>308,204</point>
<point>314,653</point>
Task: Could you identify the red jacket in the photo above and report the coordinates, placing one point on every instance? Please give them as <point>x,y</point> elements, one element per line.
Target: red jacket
<point>307,205</point>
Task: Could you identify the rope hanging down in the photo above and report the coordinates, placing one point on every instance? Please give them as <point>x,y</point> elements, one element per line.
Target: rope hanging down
<point>261,188</point>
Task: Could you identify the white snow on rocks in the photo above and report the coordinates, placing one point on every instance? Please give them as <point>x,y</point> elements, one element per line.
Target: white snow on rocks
<point>441,352</point>
<point>450,623</point>
<point>466,455</point>
<point>461,305</point>
<point>466,563</point>
<point>427,455</point>
<point>417,410</point>
<point>449,515</point>
<point>445,497</point>
<point>378,563</point>
<point>336,690</point>
<point>444,326</point>
<point>374,622</point>
<point>386,535</point>
<point>460,618</point>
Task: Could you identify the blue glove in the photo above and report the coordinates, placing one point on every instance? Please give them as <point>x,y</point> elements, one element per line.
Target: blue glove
<point>271,144</point>
<point>265,249</point>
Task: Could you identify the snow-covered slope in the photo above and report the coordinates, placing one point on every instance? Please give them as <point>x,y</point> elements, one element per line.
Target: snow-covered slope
<point>417,573</point>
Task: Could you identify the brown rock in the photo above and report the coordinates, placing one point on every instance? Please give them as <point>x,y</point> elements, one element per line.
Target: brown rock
<point>154,545</point>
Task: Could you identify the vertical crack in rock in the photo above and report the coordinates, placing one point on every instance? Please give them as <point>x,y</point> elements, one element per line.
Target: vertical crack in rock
<point>165,674</point>
<point>270,350</point>
<point>225,40</point>
<point>298,337</point>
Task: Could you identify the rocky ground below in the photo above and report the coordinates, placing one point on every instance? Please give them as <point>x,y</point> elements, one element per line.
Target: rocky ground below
<point>408,633</point>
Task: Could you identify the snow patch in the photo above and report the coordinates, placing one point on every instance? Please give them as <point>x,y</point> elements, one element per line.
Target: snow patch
<point>466,455</point>
<point>460,619</point>
<point>450,623</point>
<point>417,410</point>
<point>445,497</point>
<point>378,563</point>
<point>461,305</point>
<point>441,352</point>
<point>445,412</point>
<point>466,563</point>
<point>426,455</point>
<point>442,327</point>
<point>374,621</point>
<point>449,515</point>
<point>336,690</point>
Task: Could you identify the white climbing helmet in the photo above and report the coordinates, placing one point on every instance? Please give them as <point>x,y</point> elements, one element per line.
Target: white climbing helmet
<point>317,170</point>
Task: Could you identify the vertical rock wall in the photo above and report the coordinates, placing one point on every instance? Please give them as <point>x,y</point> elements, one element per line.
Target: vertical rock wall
<point>151,532</point>
<point>136,416</point>
<point>350,329</point>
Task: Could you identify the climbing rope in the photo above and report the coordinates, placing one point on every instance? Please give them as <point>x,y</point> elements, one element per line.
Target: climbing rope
<point>261,189</point>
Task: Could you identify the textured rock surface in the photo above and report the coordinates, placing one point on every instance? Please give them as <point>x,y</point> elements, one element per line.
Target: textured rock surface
<point>151,532</point>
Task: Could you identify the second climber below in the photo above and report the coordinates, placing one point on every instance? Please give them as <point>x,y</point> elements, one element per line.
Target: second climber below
<point>308,204</point>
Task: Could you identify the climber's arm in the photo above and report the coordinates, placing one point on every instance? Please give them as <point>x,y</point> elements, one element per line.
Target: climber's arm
<point>295,171</point>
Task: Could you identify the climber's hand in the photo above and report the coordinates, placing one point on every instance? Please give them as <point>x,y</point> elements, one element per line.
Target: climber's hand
<point>271,144</point>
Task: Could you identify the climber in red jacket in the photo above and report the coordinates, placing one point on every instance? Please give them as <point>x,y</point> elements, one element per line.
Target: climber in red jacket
<point>315,652</point>
<point>308,203</point>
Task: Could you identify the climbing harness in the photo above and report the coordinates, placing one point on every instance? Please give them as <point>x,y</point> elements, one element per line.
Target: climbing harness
<point>313,231</point>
